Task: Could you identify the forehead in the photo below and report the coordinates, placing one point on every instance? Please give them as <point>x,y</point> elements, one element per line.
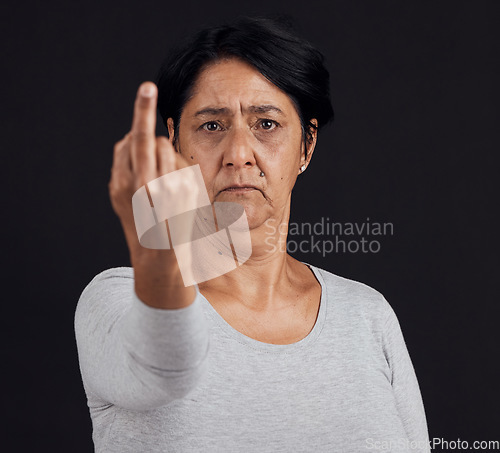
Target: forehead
<point>235,84</point>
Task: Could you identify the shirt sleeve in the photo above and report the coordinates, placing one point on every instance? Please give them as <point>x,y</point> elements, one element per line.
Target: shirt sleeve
<point>135,356</point>
<point>405,385</point>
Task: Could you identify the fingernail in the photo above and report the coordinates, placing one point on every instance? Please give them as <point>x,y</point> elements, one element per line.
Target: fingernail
<point>147,91</point>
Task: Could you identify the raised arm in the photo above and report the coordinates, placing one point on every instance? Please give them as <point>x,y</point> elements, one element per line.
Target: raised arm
<point>142,338</point>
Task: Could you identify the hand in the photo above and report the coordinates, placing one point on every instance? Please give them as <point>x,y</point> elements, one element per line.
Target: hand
<point>139,158</point>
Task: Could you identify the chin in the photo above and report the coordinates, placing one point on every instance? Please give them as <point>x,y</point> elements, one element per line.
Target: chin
<point>256,213</point>
<point>255,216</point>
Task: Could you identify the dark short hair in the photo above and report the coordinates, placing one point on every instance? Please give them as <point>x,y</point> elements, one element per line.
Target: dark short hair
<point>290,63</point>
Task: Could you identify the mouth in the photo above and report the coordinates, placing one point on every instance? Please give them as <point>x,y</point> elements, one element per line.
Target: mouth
<point>239,189</point>
<point>243,189</point>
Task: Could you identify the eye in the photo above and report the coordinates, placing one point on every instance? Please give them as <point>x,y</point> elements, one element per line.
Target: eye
<point>211,126</point>
<point>268,124</point>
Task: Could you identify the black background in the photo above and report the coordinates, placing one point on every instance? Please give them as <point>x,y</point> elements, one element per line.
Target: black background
<point>414,143</point>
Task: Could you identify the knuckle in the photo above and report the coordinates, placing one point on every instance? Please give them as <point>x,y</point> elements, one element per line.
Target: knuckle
<point>113,192</point>
<point>143,103</point>
<point>141,135</point>
<point>123,140</point>
<point>141,181</point>
<point>118,146</point>
<point>164,146</point>
<point>162,140</point>
<point>115,187</point>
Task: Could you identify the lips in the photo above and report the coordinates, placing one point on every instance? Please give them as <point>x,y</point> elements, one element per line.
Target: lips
<point>239,188</point>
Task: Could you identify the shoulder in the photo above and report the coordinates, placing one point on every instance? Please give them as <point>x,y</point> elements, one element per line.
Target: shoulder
<point>352,297</point>
<point>109,289</point>
<point>111,280</point>
<point>114,273</point>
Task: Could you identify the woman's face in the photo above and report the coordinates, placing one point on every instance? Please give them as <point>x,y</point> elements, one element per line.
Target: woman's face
<point>236,125</point>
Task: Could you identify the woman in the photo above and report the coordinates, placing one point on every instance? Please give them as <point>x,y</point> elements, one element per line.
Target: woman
<point>276,355</point>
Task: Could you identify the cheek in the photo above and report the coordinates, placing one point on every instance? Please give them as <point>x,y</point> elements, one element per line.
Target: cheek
<point>209,169</point>
<point>193,152</point>
<point>284,151</point>
<point>195,142</point>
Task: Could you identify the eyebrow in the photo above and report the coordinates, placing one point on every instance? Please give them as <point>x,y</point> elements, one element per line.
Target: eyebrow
<point>265,109</point>
<point>225,111</point>
<point>212,111</point>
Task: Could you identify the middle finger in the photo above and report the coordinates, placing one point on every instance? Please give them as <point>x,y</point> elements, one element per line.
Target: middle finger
<point>143,146</point>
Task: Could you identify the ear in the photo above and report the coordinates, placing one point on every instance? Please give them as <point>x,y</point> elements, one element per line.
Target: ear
<point>171,130</point>
<point>310,144</point>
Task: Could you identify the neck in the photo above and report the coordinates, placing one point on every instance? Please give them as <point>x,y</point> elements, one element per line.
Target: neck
<point>266,273</point>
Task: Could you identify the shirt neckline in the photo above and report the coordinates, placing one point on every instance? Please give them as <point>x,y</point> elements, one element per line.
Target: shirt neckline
<point>269,347</point>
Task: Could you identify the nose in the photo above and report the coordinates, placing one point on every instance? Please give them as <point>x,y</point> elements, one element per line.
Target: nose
<point>239,152</point>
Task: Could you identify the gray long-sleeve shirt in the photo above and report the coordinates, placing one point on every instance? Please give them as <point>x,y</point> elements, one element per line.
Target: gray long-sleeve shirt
<point>184,380</point>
